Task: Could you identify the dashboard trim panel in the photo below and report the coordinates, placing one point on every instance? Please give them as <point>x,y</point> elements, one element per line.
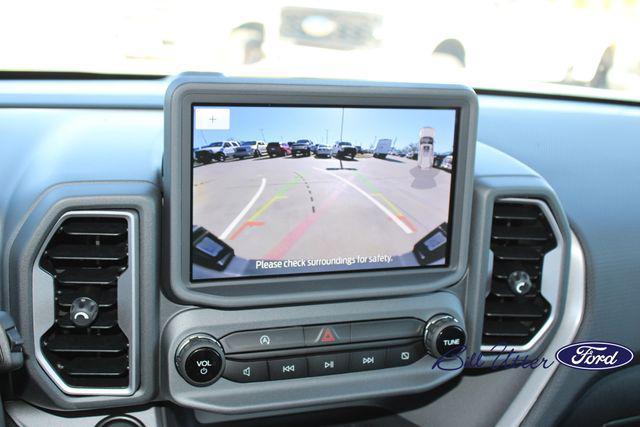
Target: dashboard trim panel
<point>43,303</point>
<point>570,322</point>
<point>551,280</point>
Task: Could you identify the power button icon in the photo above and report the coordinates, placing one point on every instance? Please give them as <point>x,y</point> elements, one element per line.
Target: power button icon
<point>205,366</point>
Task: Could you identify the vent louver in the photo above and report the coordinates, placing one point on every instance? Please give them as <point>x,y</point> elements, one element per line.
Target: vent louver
<point>85,257</point>
<point>515,309</point>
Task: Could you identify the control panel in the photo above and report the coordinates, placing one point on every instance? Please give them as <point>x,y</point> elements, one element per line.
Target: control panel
<point>271,358</point>
<point>316,350</point>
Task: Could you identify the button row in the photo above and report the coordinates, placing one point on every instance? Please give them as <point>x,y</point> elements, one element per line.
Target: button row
<point>322,335</point>
<point>323,364</point>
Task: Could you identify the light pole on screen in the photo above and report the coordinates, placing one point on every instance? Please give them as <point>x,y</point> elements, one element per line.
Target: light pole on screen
<point>341,127</point>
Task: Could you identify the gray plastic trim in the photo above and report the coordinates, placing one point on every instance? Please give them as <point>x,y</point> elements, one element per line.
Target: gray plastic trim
<point>83,94</point>
<point>43,303</point>
<point>27,415</point>
<point>551,280</point>
<point>566,333</point>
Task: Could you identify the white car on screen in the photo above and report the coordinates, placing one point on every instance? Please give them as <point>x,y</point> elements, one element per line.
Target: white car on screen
<point>343,150</point>
<point>447,163</point>
<point>218,151</point>
<point>323,151</point>
<point>383,147</point>
<point>251,149</point>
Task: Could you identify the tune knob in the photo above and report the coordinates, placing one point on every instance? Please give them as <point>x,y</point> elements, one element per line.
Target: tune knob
<point>200,359</point>
<point>442,334</point>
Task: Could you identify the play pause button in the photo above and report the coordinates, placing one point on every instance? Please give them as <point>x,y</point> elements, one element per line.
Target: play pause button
<point>327,364</point>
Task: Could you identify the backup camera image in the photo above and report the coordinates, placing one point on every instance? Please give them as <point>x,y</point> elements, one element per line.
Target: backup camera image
<point>293,190</point>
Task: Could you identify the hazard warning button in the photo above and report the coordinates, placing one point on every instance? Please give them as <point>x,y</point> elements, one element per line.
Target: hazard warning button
<point>327,334</point>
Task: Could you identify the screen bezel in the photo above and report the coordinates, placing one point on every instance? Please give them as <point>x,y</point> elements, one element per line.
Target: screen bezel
<point>450,219</point>
<point>188,90</point>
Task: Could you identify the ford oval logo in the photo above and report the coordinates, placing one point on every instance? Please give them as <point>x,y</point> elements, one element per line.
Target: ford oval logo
<point>594,355</point>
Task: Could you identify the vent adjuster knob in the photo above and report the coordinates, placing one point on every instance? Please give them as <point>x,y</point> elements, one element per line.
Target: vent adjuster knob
<point>83,311</point>
<point>520,282</point>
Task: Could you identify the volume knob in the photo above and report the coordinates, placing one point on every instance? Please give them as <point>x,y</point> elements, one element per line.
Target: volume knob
<point>442,335</point>
<point>200,359</point>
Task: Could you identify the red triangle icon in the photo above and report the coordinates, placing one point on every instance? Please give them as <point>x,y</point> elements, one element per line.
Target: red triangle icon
<point>327,335</point>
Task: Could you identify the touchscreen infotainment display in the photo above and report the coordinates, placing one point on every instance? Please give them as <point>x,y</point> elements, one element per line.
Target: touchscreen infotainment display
<point>290,190</point>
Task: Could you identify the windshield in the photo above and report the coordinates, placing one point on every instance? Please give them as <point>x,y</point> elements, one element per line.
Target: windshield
<point>214,144</point>
<point>344,143</point>
<point>545,45</point>
<point>248,143</point>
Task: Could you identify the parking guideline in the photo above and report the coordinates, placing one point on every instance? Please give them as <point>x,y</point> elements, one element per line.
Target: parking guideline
<point>377,193</point>
<point>244,211</point>
<point>399,222</point>
<point>253,220</point>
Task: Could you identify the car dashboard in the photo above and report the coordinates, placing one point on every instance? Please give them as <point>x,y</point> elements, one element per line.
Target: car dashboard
<point>85,165</point>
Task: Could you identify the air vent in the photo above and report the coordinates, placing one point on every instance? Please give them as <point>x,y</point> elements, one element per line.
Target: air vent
<point>86,346</point>
<point>516,308</point>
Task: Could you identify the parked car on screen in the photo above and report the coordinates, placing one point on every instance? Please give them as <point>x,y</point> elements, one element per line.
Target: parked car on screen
<point>219,151</point>
<point>242,152</point>
<point>447,163</point>
<point>359,149</point>
<point>383,147</point>
<point>278,149</point>
<point>439,157</point>
<point>323,151</point>
<point>253,148</point>
<point>301,147</point>
<point>343,150</point>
